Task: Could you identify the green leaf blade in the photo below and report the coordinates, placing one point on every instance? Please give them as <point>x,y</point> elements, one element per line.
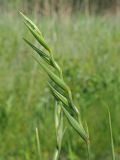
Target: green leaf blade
<point>58,96</point>
<point>40,53</point>
<point>77,126</point>
<point>54,77</point>
<point>31,23</point>
<point>38,38</point>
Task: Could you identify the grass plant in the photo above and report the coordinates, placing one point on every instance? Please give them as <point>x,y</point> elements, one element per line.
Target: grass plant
<point>58,87</point>
<point>90,60</point>
<point>38,144</point>
<point>111,135</point>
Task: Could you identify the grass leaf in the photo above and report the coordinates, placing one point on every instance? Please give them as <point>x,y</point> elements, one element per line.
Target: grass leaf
<point>77,126</point>
<point>41,53</point>
<point>35,32</point>
<point>54,77</point>
<point>58,96</point>
<point>111,135</point>
<point>31,23</point>
<point>39,38</point>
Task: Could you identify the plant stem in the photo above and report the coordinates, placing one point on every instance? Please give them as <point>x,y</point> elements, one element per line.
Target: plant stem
<point>88,142</point>
<point>88,150</point>
<point>38,144</point>
<point>111,135</point>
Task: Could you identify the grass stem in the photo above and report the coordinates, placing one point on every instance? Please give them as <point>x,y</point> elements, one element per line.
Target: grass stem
<point>38,144</point>
<point>111,135</point>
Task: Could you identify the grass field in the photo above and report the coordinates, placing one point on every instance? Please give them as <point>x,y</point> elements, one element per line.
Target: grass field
<point>89,52</point>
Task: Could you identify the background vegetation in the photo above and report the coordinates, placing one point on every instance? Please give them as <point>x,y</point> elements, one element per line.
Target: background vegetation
<point>48,7</point>
<point>87,45</point>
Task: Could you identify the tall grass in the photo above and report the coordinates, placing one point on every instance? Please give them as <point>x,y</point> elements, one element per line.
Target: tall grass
<point>61,92</point>
<point>38,144</point>
<point>111,135</point>
<point>59,88</point>
<point>91,69</point>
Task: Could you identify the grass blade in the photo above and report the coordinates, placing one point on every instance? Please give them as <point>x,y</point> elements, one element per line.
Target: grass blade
<point>77,126</point>
<point>38,144</point>
<point>111,135</point>
<point>39,38</point>
<point>41,53</point>
<point>33,26</point>
<point>59,123</point>
<point>58,96</point>
<point>53,76</point>
<point>88,143</point>
<point>59,129</point>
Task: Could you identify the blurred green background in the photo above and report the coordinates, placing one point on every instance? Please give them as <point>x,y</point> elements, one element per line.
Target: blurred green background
<point>85,38</point>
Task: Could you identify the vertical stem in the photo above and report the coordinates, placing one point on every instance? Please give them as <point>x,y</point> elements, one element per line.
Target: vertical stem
<point>111,135</point>
<point>88,150</point>
<point>88,143</point>
<point>38,144</point>
<point>59,129</point>
<point>57,115</point>
<point>56,154</point>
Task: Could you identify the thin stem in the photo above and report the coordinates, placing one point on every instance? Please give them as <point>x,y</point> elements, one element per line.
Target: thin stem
<point>88,150</point>
<point>59,129</point>
<point>88,142</point>
<point>38,144</point>
<point>56,154</point>
<point>111,135</point>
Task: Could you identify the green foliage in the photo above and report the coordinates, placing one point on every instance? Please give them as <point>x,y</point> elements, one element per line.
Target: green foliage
<point>49,7</point>
<point>91,68</point>
<point>59,81</point>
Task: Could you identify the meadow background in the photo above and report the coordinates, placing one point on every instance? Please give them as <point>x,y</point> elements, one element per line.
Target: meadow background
<point>85,38</point>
